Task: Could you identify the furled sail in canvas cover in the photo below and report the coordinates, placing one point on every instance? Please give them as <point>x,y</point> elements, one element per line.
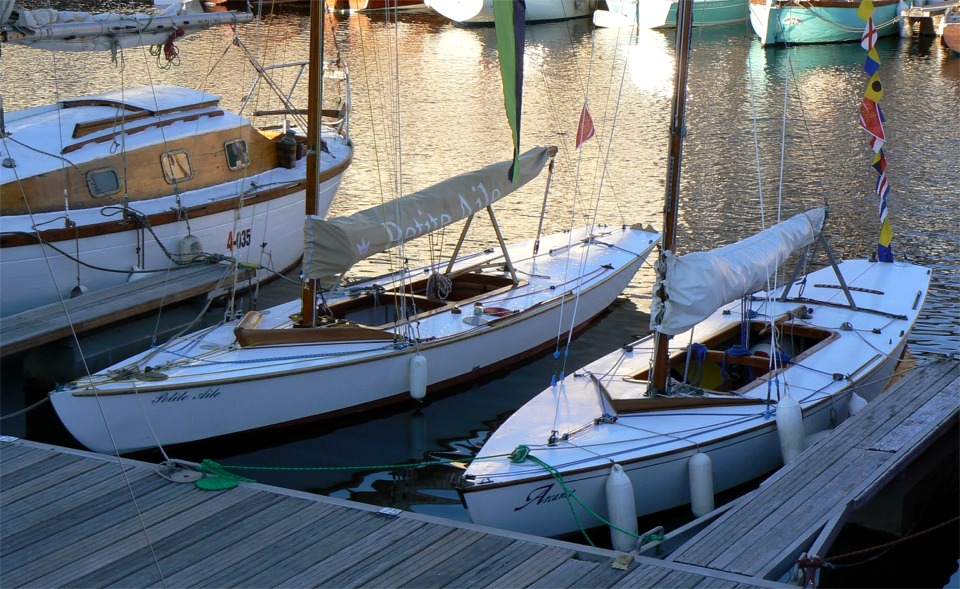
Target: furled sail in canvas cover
<point>63,30</point>
<point>335,245</point>
<point>734,271</point>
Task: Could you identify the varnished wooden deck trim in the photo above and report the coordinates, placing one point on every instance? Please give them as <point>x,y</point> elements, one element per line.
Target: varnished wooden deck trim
<point>78,519</point>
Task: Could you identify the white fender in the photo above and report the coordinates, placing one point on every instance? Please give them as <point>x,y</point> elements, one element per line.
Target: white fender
<point>701,484</point>
<point>189,248</point>
<point>856,404</point>
<point>418,377</point>
<point>789,427</point>
<point>621,509</point>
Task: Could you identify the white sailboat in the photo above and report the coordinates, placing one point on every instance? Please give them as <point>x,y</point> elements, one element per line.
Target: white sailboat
<point>662,14</point>
<point>480,12</point>
<point>104,189</point>
<point>349,346</point>
<point>700,405</point>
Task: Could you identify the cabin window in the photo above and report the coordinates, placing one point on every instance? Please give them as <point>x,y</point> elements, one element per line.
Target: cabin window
<point>103,182</point>
<point>237,155</point>
<point>176,166</point>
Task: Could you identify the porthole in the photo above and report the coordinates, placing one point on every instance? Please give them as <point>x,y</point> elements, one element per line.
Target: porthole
<point>176,166</point>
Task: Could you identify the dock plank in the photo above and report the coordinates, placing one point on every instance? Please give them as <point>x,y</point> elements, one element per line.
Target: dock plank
<point>767,528</point>
<point>55,321</point>
<point>544,561</point>
<point>456,572</point>
<point>565,575</point>
<point>124,525</point>
<point>185,536</point>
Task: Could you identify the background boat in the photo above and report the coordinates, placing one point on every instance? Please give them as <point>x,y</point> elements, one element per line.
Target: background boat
<point>662,14</point>
<point>452,68</point>
<point>779,22</point>
<point>371,5</point>
<point>950,29</point>
<point>148,177</point>
<point>480,12</point>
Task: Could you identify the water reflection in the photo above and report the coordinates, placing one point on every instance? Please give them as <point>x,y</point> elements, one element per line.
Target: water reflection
<point>449,117</point>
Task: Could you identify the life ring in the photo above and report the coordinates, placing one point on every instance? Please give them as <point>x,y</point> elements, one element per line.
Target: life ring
<point>497,311</point>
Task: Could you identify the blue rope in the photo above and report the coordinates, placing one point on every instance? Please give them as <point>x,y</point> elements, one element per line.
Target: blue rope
<point>699,353</point>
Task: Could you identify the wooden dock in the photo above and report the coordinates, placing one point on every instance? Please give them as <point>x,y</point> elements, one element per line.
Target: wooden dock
<point>925,19</point>
<point>77,519</point>
<point>42,325</point>
<point>801,508</point>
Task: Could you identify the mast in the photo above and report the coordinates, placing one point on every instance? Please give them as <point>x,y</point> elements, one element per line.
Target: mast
<point>671,202</point>
<point>314,120</point>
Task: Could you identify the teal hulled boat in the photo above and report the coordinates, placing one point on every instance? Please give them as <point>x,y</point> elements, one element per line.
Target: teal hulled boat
<point>662,14</point>
<point>788,22</point>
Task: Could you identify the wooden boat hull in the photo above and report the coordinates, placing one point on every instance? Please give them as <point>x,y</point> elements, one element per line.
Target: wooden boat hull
<point>145,223</point>
<point>480,12</point>
<point>654,446</point>
<point>229,388</point>
<point>789,22</point>
<point>371,5</point>
<point>950,35</point>
<point>662,14</point>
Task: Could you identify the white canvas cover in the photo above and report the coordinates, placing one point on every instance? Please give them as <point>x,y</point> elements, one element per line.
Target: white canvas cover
<point>63,30</point>
<point>334,246</point>
<point>698,284</point>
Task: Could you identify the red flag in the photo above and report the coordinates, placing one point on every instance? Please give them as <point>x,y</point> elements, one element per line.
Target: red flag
<point>585,130</point>
<point>871,119</point>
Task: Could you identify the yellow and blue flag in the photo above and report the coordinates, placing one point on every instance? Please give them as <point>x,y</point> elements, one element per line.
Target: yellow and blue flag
<point>871,119</point>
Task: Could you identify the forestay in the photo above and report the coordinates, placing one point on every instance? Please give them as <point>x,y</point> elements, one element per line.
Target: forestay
<point>734,271</point>
<point>334,246</point>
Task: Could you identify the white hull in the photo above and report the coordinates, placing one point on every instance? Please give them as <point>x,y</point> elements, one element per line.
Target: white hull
<point>214,387</point>
<point>654,446</point>
<point>35,276</point>
<point>480,12</point>
<point>94,241</point>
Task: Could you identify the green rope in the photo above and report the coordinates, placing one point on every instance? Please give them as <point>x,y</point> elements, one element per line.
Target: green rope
<point>219,479</point>
<point>522,453</point>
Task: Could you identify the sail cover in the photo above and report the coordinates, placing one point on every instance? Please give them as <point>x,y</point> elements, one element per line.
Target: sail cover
<point>61,30</point>
<point>698,284</point>
<point>334,246</point>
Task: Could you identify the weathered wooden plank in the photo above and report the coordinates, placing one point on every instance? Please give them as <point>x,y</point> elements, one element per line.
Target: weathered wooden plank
<point>752,550</point>
<point>51,462</point>
<point>191,534</point>
<point>359,551</point>
<point>49,480</point>
<point>487,573</point>
<point>935,410</point>
<point>457,572</point>
<point>331,535</point>
<point>101,543</point>
<point>153,532</point>
<point>96,309</point>
<point>227,549</point>
<point>65,526</point>
<point>10,451</point>
<point>78,490</point>
<point>756,531</point>
<point>607,576</point>
<point>679,580</point>
<point>565,575</point>
<point>389,556</point>
<point>314,528</point>
<point>411,571</point>
<point>540,564</point>
<point>782,485</point>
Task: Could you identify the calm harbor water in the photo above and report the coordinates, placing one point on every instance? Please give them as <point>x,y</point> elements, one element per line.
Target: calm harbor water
<point>427,102</point>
